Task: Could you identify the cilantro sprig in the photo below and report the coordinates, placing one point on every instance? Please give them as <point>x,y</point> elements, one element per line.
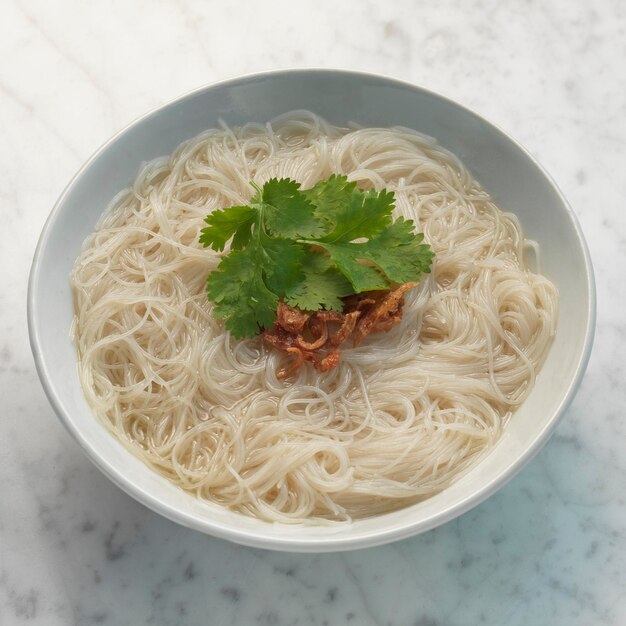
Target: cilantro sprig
<point>308,248</point>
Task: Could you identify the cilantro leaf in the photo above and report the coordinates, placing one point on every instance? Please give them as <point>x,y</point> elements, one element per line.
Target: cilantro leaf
<point>280,206</point>
<point>361,277</point>
<point>396,251</point>
<point>329,196</point>
<point>240,294</point>
<point>322,285</point>
<point>282,264</point>
<point>287,212</point>
<point>247,284</point>
<point>361,214</point>
<point>223,224</point>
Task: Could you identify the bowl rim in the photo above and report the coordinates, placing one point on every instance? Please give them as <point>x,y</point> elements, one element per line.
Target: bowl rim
<point>330,543</point>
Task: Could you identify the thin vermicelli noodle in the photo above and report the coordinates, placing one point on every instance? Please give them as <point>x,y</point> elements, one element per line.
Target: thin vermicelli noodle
<point>403,414</point>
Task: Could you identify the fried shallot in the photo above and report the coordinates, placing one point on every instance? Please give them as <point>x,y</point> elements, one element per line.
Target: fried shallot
<point>317,336</point>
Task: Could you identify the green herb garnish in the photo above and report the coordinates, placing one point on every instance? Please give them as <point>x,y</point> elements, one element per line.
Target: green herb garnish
<point>307,248</point>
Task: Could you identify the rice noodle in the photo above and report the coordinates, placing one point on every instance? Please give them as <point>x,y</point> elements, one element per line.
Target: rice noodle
<point>403,414</point>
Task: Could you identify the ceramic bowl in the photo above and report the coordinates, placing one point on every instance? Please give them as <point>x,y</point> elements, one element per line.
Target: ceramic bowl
<point>514,179</point>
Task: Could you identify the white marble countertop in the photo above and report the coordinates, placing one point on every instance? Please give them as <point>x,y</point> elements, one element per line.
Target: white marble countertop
<point>549,548</point>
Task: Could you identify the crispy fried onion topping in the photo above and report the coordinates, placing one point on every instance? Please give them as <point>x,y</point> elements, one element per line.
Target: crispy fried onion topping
<point>316,337</point>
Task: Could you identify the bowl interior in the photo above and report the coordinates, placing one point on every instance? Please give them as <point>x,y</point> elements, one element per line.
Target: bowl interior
<point>515,181</point>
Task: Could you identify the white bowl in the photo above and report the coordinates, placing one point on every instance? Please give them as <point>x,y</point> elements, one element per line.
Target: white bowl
<point>514,179</point>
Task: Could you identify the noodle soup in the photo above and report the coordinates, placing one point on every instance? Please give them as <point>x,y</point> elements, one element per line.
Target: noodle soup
<point>402,415</point>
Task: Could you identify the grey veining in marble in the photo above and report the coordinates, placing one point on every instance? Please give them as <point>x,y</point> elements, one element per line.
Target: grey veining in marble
<point>549,548</point>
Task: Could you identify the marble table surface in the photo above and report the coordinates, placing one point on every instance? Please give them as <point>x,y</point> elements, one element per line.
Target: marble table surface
<point>549,548</point>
